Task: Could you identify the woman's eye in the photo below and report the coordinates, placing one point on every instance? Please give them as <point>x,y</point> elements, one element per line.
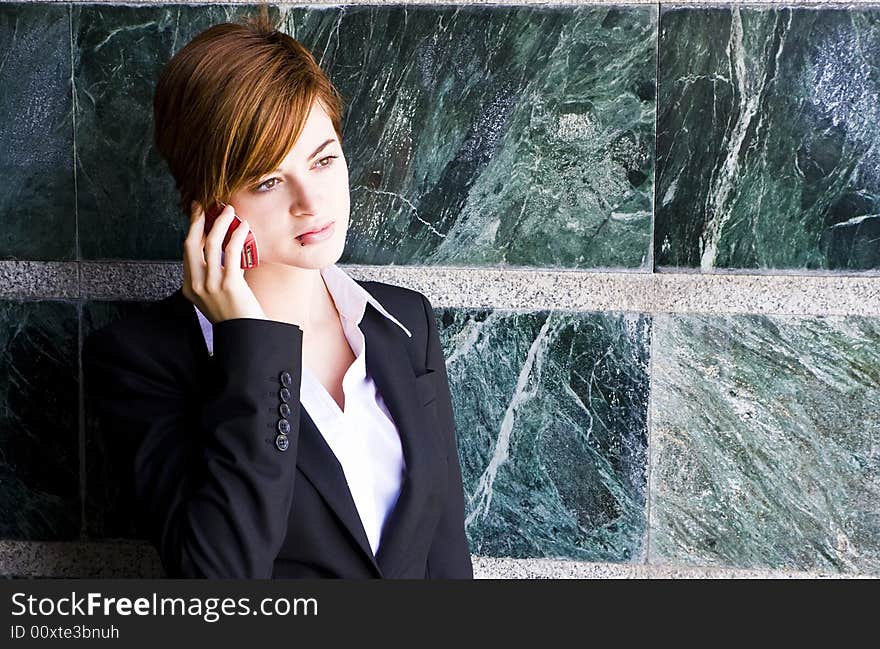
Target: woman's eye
<point>326,160</point>
<point>269,185</point>
<point>264,184</point>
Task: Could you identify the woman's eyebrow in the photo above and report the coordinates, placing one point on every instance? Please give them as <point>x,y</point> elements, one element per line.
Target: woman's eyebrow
<point>314,153</point>
<point>318,150</point>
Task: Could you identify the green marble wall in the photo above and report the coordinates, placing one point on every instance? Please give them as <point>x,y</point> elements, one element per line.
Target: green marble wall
<point>489,136</point>
<point>38,197</point>
<point>39,431</point>
<point>496,136</point>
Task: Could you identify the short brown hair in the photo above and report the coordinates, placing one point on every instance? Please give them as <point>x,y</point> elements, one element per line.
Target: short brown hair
<point>230,105</point>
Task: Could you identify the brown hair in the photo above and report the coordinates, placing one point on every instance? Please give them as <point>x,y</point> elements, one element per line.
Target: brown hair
<point>230,105</point>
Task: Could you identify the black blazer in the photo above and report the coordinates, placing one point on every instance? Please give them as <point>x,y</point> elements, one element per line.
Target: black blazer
<point>218,495</point>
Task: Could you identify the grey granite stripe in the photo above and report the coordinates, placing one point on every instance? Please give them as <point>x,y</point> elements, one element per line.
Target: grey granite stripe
<point>636,292</point>
<point>78,559</point>
<point>38,279</point>
<point>139,560</point>
<point>130,280</point>
<point>492,568</point>
<point>520,289</point>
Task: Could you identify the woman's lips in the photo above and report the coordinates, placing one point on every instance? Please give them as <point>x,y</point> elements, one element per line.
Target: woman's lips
<point>314,237</point>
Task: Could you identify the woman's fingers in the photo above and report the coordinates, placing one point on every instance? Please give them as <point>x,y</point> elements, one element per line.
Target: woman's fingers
<point>219,293</point>
<point>193,250</point>
<point>213,249</point>
<point>233,250</point>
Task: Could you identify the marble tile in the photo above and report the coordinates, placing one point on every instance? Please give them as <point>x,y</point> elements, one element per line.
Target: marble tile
<point>765,442</point>
<point>551,417</point>
<point>473,135</point>
<point>37,205</point>
<point>39,423</point>
<point>110,503</point>
<point>768,153</point>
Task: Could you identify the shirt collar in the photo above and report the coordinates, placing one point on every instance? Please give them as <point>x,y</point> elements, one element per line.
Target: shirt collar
<point>350,298</point>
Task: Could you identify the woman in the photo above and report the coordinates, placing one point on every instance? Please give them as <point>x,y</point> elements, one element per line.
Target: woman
<point>290,421</point>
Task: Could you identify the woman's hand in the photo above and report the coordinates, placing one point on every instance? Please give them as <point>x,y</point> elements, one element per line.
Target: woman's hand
<point>220,292</point>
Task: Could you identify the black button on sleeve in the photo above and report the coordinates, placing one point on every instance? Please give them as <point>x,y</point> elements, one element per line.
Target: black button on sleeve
<point>282,442</point>
<point>283,426</point>
<point>286,379</point>
<point>284,395</point>
<point>284,410</point>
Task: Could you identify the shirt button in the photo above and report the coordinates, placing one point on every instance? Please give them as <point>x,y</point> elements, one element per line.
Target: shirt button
<point>286,379</point>
<point>283,426</point>
<point>284,395</point>
<point>284,410</point>
<point>282,442</point>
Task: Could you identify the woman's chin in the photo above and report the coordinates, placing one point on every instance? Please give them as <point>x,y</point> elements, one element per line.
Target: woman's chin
<point>318,257</point>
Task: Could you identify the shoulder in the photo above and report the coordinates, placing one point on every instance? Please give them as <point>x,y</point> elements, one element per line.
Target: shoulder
<point>139,323</point>
<point>157,334</point>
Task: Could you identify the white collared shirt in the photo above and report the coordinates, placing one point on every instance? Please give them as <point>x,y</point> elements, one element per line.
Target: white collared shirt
<point>363,437</point>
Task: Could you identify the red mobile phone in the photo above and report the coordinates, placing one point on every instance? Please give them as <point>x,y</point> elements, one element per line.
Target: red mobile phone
<point>249,256</point>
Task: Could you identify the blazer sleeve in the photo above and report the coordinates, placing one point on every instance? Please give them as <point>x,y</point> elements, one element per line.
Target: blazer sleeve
<point>213,487</point>
<point>449,556</point>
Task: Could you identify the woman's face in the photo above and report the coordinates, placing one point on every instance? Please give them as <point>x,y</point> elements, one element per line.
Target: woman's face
<point>308,191</point>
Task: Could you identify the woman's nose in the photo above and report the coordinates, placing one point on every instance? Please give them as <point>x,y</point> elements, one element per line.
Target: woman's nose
<point>305,199</point>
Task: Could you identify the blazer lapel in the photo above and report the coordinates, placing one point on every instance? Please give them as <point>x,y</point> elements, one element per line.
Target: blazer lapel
<point>389,366</point>
<point>316,460</point>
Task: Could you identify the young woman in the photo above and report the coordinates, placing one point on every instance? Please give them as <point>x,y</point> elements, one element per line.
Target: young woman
<point>289,421</point>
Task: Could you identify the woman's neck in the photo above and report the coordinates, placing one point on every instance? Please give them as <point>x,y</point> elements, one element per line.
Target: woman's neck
<point>293,294</point>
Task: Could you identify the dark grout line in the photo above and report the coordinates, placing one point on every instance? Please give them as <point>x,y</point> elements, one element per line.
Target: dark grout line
<point>650,258</point>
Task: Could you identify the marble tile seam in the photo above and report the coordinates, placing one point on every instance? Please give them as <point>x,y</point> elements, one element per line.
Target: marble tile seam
<point>103,559</point>
<point>503,289</point>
